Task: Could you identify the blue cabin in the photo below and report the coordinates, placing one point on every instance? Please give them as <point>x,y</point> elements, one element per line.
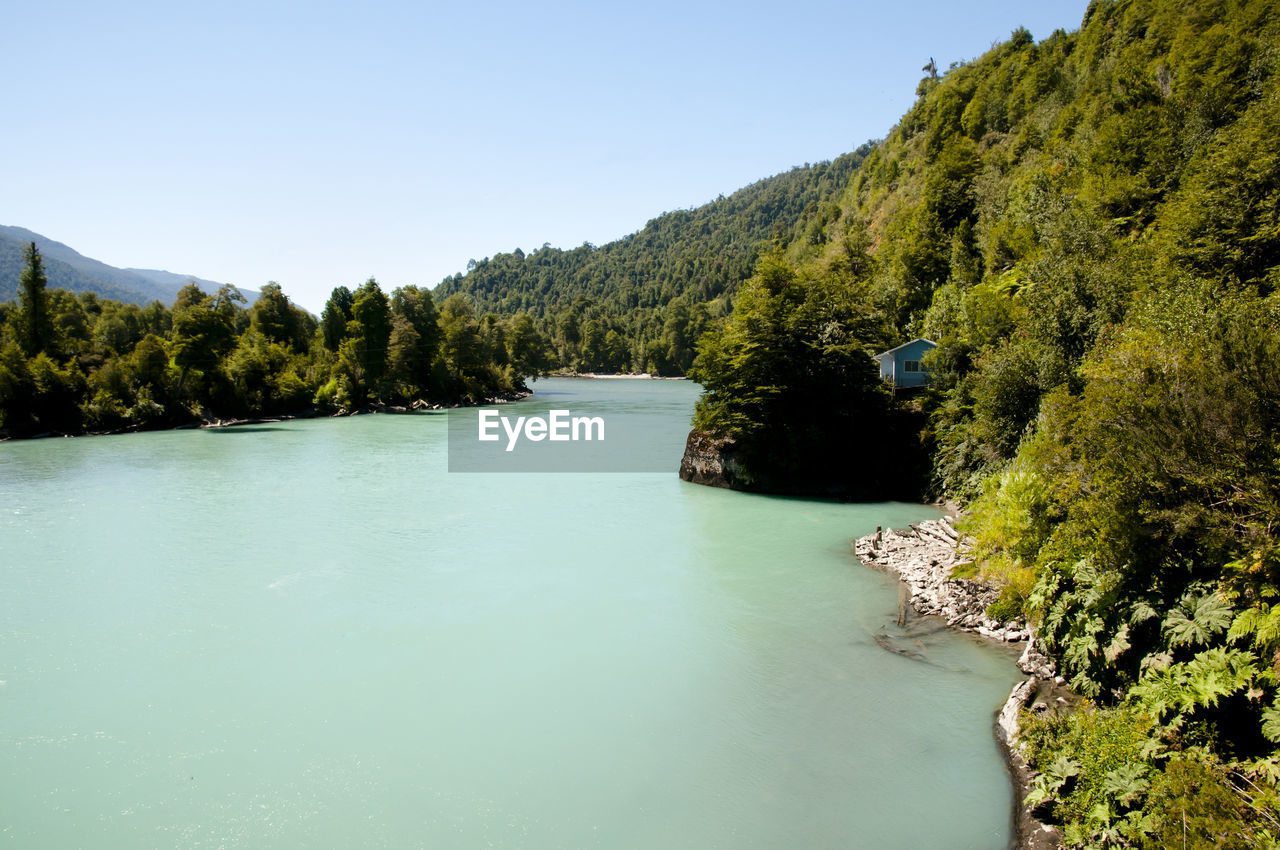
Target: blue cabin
<point>901,366</point>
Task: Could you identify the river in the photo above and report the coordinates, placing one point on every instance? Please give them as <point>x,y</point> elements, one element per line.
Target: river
<point>311,634</point>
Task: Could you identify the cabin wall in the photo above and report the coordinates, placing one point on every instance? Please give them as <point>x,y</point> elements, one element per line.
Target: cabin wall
<point>894,368</point>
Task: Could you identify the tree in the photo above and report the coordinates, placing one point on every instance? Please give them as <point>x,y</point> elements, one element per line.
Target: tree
<point>36,327</point>
<point>790,381</point>
<point>371,325</point>
<point>203,329</point>
<point>526,348</point>
<point>276,319</point>
<point>415,336</point>
<point>406,371</point>
<point>333,321</point>
<point>462,347</point>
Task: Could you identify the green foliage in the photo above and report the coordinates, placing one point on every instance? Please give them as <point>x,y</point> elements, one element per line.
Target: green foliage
<point>370,330</point>
<point>656,289</point>
<point>1197,619</point>
<point>1109,783</point>
<point>1094,763</point>
<point>203,333</point>
<point>336,315</point>
<point>1193,805</point>
<point>1089,226</point>
<point>280,321</point>
<point>414,342</point>
<point>36,330</point>
<point>768,375</point>
<point>110,366</point>
<point>1015,592</point>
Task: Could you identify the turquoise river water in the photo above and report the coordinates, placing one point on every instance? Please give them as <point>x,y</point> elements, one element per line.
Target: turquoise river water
<point>310,634</point>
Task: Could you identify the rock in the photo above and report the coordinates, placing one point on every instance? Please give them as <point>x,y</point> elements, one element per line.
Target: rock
<point>1036,663</point>
<point>1007,719</point>
<point>712,461</point>
<point>924,556</point>
<point>1032,832</point>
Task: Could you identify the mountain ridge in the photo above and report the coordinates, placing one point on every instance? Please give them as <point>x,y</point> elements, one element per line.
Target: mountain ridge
<point>68,269</point>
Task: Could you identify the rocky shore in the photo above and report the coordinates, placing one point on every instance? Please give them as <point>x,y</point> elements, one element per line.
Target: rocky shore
<point>925,557</point>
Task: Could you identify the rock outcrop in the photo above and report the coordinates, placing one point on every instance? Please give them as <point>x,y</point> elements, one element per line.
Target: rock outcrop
<point>712,461</point>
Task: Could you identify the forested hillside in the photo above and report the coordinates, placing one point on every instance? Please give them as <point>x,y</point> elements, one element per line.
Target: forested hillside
<point>1090,228</point>
<point>642,302</point>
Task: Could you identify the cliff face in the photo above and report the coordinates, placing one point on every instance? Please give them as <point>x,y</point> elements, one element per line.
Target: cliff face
<point>712,461</point>
<point>721,462</point>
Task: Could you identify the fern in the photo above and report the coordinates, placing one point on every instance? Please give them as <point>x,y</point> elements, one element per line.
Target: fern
<point>1202,682</point>
<point>1220,672</point>
<point>1271,724</point>
<point>1259,624</point>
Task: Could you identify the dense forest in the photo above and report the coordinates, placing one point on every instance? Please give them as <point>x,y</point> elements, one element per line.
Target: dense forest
<point>1089,227</point>
<point>75,363</point>
<point>640,304</point>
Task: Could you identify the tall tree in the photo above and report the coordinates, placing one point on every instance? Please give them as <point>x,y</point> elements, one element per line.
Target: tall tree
<point>277,319</point>
<point>527,349</point>
<point>333,321</point>
<point>36,326</point>
<point>415,338</point>
<point>371,325</point>
<point>203,330</point>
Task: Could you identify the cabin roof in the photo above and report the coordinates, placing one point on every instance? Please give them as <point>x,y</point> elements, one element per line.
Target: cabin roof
<point>904,345</point>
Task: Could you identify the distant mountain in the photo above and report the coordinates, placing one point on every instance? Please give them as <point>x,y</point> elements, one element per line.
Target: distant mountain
<point>169,280</point>
<point>68,269</point>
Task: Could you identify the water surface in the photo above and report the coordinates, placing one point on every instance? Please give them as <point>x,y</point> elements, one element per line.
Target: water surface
<point>311,634</point>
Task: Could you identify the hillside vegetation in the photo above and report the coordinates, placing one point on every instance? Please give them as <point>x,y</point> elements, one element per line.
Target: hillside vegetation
<point>1090,228</point>
<point>640,304</point>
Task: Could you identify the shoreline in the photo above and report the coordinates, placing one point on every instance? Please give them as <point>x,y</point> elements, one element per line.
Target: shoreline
<point>923,557</point>
<point>618,376</point>
<point>210,422</point>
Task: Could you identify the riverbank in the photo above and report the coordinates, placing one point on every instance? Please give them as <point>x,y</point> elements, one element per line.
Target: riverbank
<point>207,421</point>
<point>622,376</point>
<point>925,557</point>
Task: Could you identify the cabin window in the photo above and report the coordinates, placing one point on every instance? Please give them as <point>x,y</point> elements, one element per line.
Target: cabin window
<point>911,365</point>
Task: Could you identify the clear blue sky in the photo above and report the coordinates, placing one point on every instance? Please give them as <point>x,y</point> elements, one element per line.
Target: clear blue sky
<point>318,144</point>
